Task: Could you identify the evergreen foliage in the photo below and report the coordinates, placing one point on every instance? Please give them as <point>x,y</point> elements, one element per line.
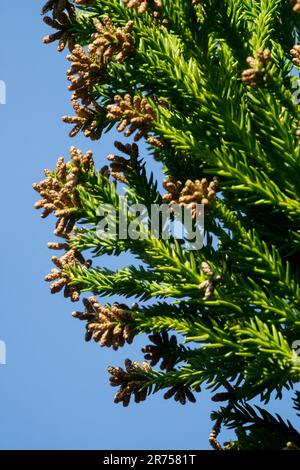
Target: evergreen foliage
<point>209,85</point>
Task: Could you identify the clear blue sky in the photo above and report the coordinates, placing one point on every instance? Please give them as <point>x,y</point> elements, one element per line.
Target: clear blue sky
<point>54,389</point>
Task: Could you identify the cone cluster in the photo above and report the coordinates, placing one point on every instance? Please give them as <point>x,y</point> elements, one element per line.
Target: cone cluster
<point>209,285</point>
<point>85,72</point>
<point>58,190</point>
<point>254,75</point>
<point>132,381</point>
<point>120,166</point>
<point>59,277</point>
<point>295,53</point>
<point>133,113</point>
<point>86,119</point>
<point>181,394</point>
<point>190,193</point>
<point>296,6</point>
<point>84,2</point>
<point>142,5</point>
<point>214,435</point>
<point>110,326</point>
<point>63,13</point>
<point>164,348</point>
<point>111,43</point>
<point>90,68</point>
<point>57,7</point>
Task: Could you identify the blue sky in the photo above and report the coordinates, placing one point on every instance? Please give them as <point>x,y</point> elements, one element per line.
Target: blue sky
<point>54,388</point>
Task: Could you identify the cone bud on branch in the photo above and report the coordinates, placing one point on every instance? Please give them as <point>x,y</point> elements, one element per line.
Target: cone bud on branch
<point>181,394</point>
<point>190,193</point>
<point>255,74</point>
<point>57,7</point>
<point>142,5</point>
<point>295,53</point>
<point>296,5</point>
<point>85,72</point>
<point>61,23</point>
<point>111,43</point>
<point>132,381</point>
<point>59,277</point>
<point>120,166</point>
<point>87,119</point>
<point>208,286</point>
<point>133,113</point>
<point>164,348</point>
